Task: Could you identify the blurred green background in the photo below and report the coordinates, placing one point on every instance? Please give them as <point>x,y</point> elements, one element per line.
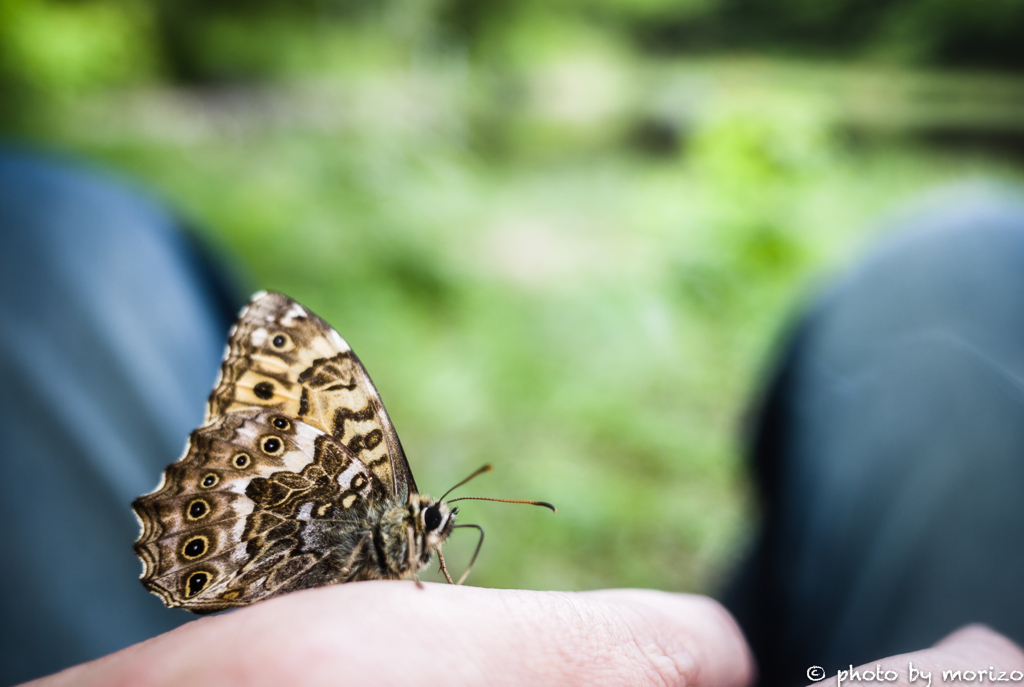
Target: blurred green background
<point>565,236</point>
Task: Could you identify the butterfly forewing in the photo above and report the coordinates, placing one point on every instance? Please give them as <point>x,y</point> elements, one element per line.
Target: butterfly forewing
<point>282,356</point>
<point>245,513</point>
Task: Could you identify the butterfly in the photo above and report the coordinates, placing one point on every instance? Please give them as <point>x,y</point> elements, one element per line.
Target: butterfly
<point>296,478</point>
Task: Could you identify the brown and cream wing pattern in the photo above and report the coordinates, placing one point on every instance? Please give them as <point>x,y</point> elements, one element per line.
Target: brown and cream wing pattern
<point>251,510</point>
<point>281,356</point>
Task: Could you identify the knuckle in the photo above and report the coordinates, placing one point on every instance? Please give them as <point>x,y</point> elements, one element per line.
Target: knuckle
<point>662,659</point>
<point>616,644</point>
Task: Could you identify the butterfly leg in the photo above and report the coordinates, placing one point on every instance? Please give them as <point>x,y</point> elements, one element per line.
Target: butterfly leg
<point>345,571</point>
<point>444,568</point>
<point>472,560</point>
<point>412,559</point>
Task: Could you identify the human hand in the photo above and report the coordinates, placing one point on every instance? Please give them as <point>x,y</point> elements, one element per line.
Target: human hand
<point>973,648</point>
<point>393,633</point>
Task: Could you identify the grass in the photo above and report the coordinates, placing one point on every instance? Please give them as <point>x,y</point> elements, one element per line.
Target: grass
<point>590,316</point>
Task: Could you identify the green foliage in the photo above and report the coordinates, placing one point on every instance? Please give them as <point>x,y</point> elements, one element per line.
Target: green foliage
<point>64,47</point>
<point>52,50</point>
<point>592,320</point>
<point>937,32</point>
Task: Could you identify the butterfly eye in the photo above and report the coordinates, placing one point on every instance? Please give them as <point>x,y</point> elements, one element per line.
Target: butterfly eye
<point>241,460</point>
<point>432,518</point>
<point>198,509</point>
<point>210,480</point>
<point>271,445</point>
<point>281,423</point>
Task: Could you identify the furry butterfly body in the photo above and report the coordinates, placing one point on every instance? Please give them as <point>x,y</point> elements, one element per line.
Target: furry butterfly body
<point>296,478</point>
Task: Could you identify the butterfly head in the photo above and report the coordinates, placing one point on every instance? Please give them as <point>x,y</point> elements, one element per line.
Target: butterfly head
<point>433,520</point>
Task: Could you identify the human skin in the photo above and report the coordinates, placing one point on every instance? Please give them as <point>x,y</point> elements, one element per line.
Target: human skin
<point>974,647</point>
<point>384,633</point>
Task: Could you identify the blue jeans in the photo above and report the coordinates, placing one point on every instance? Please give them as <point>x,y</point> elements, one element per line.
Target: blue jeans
<point>889,451</point>
<point>112,326</point>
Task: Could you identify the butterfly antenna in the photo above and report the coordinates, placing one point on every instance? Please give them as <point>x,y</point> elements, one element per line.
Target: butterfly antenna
<point>484,498</point>
<point>475,553</point>
<point>486,468</point>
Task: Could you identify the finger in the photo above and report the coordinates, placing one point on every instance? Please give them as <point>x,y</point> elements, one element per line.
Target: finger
<point>689,639</point>
<point>975,648</point>
<point>388,633</point>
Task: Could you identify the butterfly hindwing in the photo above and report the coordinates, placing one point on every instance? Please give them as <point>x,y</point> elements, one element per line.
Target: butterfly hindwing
<point>281,356</point>
<point>245,512</point>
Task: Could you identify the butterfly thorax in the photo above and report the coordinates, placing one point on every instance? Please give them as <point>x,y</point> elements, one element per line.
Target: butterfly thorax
<point>398,539</point>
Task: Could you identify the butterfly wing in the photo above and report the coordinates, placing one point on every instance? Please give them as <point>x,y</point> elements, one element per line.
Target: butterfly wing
<point>256,507</point>
<point>281,356</point>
